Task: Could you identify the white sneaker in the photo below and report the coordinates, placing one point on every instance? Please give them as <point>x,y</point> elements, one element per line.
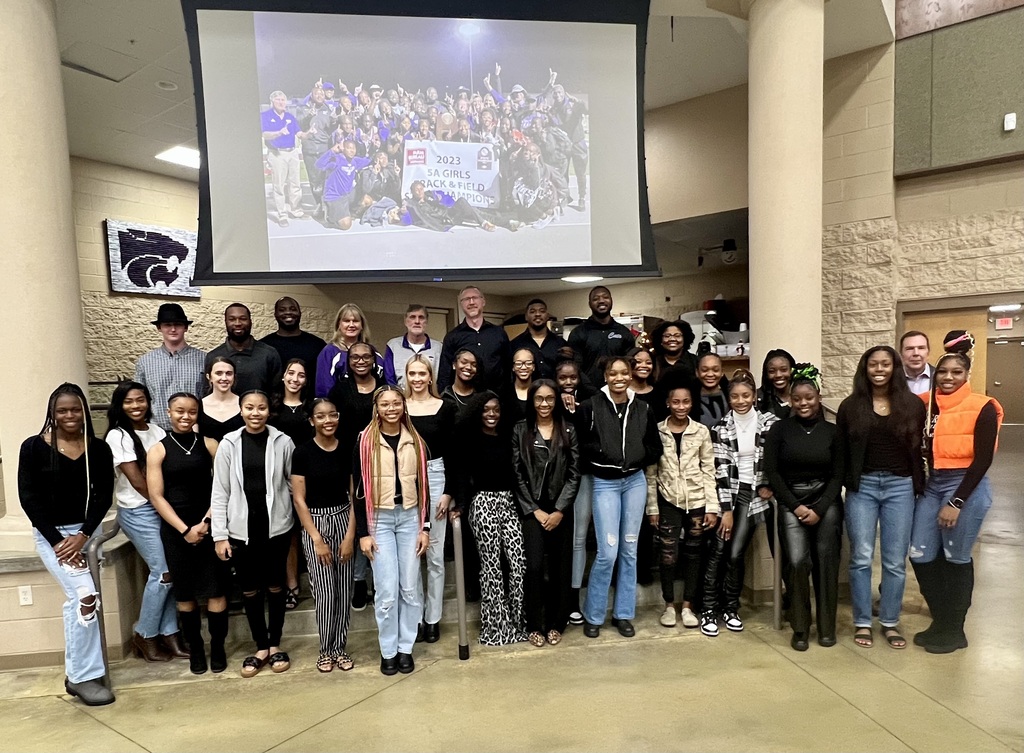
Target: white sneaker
<point>689,618</point>
<point>709,624</point>
<point>668,617</point>
<point>733,622</point>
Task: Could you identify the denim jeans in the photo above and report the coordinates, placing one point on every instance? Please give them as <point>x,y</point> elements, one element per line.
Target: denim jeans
<point>435,552</point>
<point>398,603</point>
<point>618,507</point>
<point>884,503</point>
<point>83,654</point>
<point>581,524</point>
<point>158,614</point>
<point>957,541</point>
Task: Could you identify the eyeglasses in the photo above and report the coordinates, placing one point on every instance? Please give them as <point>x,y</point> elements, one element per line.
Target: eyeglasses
<point>544,399</point>
<point>325,416</point>
<point>521,364</point>
<point>360,358</point>
<point>470,298</point>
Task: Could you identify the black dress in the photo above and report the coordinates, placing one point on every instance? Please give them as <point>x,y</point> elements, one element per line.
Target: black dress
<point>196,570</point>
<point>215,430</point>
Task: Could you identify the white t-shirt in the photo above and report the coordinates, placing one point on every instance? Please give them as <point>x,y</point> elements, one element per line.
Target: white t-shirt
<point>746,431</point>
<point>123,449</point>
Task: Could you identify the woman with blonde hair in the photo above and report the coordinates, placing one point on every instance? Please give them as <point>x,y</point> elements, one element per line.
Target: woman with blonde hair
<point>350,327</point>
<point>391,502</point>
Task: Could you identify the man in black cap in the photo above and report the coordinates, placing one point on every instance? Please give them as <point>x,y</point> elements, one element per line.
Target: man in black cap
<point>173,367</point>
<point>291,342</point>
<point>257,365</point>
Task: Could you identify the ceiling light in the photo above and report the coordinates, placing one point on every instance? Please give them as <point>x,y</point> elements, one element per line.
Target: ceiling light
<point>1005,308</point>
<point>582,279</point>
<point>1000,342</point>
<point>181,155</point>
<point>167,86</point>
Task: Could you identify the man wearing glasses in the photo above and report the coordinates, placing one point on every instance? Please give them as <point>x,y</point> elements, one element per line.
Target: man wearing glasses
<point>488,341</point>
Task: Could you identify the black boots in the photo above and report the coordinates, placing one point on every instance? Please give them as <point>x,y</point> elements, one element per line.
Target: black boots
<point>217,622</point>
<point>947,588</point>
<point>194,638</point>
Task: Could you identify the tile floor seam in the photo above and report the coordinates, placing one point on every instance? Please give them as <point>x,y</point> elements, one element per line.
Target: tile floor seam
<point>84,710</point>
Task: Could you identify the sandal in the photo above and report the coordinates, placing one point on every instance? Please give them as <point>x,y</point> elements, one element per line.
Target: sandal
<point>251,665</point>
<point>291,598</point>
<point>863,637</point>
<point>536,639</point>
<point>893,637</point>
<point>325,663</point>
<point>344,662</point>
<point>554,637</point>
<point>279,662</point>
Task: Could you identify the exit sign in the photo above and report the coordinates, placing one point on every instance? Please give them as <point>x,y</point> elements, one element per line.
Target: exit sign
<point>1004,323</point>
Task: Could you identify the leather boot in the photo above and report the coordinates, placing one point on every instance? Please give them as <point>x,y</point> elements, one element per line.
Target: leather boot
<point>149,649</point>
<point>194,636</point>
<point>930,579</point>
<point>90,692</point>
<point>959,590</point>
<point>174,645</point>
<point>217,622</point>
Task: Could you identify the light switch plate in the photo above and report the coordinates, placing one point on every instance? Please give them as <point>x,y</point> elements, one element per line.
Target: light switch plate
<point>1010,121</point>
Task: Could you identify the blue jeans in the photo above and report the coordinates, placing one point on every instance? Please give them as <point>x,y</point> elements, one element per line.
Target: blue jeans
<point>83,654</point>
<point>956,542</point>
<point>398,603</point>
<point>618,509</point>
<point>581,524</point>
<point>884,503</point>
<point>158,615</point>
<point>435,552</point>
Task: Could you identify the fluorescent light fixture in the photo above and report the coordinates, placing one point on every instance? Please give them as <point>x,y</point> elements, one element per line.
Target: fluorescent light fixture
<point>582,279</point>
<point>185,156</point>
<point>1000,342</point>
<point>1005,308</point>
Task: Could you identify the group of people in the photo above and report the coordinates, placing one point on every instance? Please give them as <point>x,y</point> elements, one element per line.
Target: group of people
<point>352,145</point>
<point>237,459</point>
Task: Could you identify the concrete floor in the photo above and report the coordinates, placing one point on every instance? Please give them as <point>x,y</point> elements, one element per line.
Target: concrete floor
<point>662,690</point>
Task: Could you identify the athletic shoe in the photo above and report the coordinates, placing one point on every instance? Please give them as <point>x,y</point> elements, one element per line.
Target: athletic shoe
<point>668,617</point>
<point>575,618</point>
<point>359,596</point>
<point>689,618</point>
<point>709,624</point>
<point>733,621</point>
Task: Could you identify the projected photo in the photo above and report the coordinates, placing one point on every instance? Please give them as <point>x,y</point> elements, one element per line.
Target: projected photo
<point>465,142</point>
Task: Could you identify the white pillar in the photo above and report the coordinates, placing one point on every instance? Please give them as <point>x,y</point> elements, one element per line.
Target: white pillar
<point>41,335</point>
<point>786,59</point>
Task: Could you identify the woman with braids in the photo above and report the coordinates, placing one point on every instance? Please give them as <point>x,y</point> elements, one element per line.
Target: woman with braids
<point>320,479</point>
<point>389,475</point>
<point>130,435</point>
<point>743,494</point>
<point>880,428</point>
<point>65,485</point>
<point>804,466</point>
<point>487,484</point>
<point>776,374</point>
<point>179,473</point>
<point>251,508</point>
<point>961,431</point>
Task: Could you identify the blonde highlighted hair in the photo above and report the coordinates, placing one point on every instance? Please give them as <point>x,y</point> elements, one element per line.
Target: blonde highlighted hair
<point>364,333</point>
<point>431,385</point>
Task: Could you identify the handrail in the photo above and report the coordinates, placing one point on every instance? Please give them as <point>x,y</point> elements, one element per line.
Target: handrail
<point>94,556</point>
<point>460,589</point>
<point>776,569</point>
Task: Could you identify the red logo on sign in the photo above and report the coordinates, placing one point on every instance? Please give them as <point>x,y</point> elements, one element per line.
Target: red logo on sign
<point>416,157</point>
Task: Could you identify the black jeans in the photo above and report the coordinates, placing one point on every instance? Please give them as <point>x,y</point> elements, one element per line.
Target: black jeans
<point>813,553</point>
<point>723,582</point>
<point>548,589</point>
<point>696,545</point>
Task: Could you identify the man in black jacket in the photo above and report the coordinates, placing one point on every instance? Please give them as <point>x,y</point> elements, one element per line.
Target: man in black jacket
<point>600,335</point>
<point>488,341</point>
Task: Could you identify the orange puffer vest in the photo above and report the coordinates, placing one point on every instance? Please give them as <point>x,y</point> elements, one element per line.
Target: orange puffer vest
<point>953,444</point>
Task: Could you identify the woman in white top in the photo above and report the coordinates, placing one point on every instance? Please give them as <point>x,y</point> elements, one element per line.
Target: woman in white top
<point>130,435</point>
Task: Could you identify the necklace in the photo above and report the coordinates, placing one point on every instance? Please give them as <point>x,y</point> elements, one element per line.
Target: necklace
<point>881,408</point>
<point>293,408</point>
<point>809,431</point>
<point>195,439</point>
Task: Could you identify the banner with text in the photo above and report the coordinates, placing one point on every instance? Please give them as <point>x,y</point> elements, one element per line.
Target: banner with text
<point>467,171</point>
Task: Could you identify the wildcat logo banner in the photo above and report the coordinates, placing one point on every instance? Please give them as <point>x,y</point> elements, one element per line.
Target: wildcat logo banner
<point>461,171</point>
<point>151,260</point>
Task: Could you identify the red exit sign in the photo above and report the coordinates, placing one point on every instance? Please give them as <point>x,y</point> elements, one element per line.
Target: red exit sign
<point>1004,323</point>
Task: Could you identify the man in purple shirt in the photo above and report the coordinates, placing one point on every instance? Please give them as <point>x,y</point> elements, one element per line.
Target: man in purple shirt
<point>342,165</point>
<point>280,129</point>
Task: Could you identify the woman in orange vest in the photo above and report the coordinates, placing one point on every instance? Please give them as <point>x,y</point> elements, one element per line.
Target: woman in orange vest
<point>960,437</point>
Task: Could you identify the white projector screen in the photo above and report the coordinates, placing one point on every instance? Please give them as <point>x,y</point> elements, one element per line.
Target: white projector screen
<point>342,147</point>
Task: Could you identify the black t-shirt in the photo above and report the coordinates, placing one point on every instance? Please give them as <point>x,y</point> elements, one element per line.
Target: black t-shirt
<point>885,451</point>
<point>293,421</point>
<point>326,474</point>
<point>393,440</point>
<point>254,473</point>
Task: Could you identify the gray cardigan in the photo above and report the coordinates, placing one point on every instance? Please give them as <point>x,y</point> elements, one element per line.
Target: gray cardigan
<point>230,516</point>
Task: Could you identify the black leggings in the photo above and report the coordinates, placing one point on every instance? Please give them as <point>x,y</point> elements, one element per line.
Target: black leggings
<point>695,546</point>
<point>260,566</point>
<point>813,553</point>
<point>547,599</point>
<point>726,562</point>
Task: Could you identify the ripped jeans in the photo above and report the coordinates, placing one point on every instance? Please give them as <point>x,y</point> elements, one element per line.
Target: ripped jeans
<point>158,614</point>
<point>83,654</point>
<point>398,588</point>
<point>956,542</point>
<point>618,509</point>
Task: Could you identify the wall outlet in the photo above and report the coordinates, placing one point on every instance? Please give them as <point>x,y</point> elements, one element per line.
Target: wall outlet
<point>25,596</point>
<point>1010,121</point>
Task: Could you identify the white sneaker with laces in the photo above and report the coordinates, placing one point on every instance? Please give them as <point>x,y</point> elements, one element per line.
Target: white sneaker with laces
<point>689,618</point>
<point>709,624</point>
<point>733,622</point>
<point>668,617</point>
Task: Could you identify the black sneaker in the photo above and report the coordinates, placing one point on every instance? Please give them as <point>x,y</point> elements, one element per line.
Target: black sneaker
<point>359,596</point>
<point>389,666</point>
<point>405,663</point>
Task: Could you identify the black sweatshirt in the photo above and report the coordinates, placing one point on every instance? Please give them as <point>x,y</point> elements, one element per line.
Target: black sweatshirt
<point>55,495</point>
<point>796,450</point>
<point>592,340</point>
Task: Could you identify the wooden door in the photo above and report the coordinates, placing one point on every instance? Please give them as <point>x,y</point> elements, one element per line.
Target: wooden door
<point>1006,377</point>
<point>936,324</point>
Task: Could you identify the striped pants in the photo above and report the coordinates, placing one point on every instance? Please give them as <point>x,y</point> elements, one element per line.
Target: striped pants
<point>331,584</point>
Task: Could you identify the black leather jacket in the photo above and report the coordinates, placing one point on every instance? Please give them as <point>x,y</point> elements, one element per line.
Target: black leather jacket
<point>545,475</point>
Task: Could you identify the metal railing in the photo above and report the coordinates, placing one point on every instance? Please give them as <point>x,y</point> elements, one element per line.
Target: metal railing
<point>460,589</point>
<point>94,556</point>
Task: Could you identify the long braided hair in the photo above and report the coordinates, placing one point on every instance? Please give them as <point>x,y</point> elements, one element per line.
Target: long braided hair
<point>118,419</point>
<point>959,346</point>
<point>370,452</point>
<point>50,428</point>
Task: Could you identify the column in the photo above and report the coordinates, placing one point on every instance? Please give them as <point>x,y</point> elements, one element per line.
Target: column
<point>786,59</point>
<point>41,337</point>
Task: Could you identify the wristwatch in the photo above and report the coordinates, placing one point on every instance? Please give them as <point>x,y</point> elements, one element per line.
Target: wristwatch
<point>956,502</point>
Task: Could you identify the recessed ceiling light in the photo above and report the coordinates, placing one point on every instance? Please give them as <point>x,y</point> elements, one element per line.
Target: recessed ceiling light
<point>582,279</point>
<point>1005,308</point>
<point>167,86</point>
<point>181,155</point>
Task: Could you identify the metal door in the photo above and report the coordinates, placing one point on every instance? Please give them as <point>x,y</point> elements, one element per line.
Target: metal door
<point>1005,376</point>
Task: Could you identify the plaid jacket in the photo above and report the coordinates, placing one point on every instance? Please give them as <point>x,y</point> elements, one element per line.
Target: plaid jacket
<point>727,453</point>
